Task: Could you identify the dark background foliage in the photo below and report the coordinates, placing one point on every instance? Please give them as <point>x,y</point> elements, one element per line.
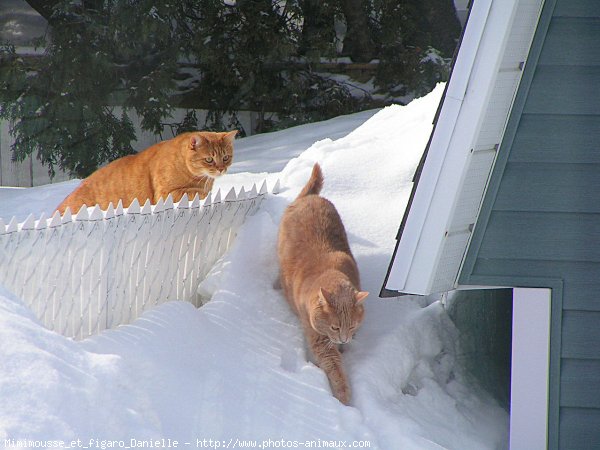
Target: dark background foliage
<point>279,59</point>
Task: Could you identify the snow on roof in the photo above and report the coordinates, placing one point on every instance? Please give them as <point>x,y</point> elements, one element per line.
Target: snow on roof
<point>237,368</point>
<point>453,175</point>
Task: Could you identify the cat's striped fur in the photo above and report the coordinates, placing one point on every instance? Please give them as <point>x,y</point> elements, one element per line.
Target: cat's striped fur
<point>320,279</point>
<point>187,164</point>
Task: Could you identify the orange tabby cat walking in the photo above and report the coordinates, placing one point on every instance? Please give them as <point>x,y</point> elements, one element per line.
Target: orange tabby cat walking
<point>320,279</point>
<point>187,164</point>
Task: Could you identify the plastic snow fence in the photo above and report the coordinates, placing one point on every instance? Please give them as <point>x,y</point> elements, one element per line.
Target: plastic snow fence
<point>80,274</point>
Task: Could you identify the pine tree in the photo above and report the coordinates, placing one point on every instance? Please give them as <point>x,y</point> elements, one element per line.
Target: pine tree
<point>105,59</point>
<point>257,55</point>
<point>100,55</point>
<point>415,40</point>
<point>318,36</point>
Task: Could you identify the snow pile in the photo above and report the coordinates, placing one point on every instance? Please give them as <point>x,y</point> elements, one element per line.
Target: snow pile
<point>238,368</point>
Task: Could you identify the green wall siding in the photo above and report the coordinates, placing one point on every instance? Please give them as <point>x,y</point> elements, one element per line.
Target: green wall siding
<point>550,187</point>
<point>540,218</point>
<point>558,138</point>
<point>579,429</point>
<point>577,8</point>
<point>580,283</point>
<point>580,383</point>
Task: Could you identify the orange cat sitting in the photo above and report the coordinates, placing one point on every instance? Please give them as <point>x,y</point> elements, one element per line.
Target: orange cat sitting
<point>320,279</point>
<point>187,164</point>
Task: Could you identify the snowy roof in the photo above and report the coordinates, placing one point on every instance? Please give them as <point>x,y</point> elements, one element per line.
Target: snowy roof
<point>179,371</point>
<point>453,174</point>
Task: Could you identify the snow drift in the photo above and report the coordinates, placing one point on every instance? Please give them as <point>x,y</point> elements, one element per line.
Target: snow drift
<point>237,368</point>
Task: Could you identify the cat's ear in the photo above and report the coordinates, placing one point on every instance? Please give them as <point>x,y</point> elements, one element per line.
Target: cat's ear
<point>360,296</point>
<point>196,141</point>
<point>324,296</point>
<point>230,136</point>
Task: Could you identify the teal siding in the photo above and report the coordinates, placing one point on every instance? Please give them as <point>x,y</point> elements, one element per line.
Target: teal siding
<point>580,383</point>
<point>582,329</point>
<point>579,429</point>
<point>564,90</point>
<point>542,236</point>
<point>540,219</point>
<point>556,138</point>
<point>577,8</point>
<point>580,284</point>
<point>550,187</point>
<point>569,41</point>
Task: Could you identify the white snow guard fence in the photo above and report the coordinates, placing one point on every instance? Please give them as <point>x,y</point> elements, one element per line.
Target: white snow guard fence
<point>99,269</point>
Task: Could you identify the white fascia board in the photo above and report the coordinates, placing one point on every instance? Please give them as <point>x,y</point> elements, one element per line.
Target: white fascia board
<point>469,89</point>
<point>457,85</point>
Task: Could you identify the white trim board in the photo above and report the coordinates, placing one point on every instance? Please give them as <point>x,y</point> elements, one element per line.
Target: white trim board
<point>463,146</point>
<point>530,369</point>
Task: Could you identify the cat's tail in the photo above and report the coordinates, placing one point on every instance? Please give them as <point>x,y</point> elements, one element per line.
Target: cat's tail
<point>315,182</point>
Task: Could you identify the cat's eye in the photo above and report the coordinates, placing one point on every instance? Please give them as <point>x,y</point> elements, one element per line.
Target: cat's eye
<point>209,160</point>
<point>335,328</point>
<point>225,158</point>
